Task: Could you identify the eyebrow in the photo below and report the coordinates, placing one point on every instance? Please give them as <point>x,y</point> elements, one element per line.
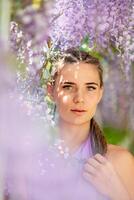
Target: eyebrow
<point>92,83</point>
<point>71,83</point>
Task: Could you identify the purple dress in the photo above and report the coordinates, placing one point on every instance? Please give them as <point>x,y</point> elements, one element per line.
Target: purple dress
<point>48,176</point>
<point>55,178</point>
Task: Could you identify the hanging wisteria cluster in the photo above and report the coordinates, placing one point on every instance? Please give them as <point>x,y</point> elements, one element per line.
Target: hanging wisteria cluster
<point>28,35</point>
<point>28,39</point>
<point>109,25</point>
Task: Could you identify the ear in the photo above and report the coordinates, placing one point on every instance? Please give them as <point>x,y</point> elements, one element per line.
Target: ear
<point>100,94</point>
<point>50,91</point>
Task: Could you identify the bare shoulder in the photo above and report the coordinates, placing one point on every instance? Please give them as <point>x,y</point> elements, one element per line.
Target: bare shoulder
<point>119,155</point>
<point>123,162</point>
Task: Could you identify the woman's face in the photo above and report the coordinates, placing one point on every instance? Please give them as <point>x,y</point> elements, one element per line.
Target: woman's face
<point>77,92</point>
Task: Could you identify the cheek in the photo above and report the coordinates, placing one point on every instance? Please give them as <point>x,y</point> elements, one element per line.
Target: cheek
<point>63,102</point>
<point>92,100</point>
<point>95,97</point>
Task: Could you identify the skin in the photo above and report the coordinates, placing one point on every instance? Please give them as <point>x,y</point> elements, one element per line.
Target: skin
<point>74,128</point>
<point>112,174</point>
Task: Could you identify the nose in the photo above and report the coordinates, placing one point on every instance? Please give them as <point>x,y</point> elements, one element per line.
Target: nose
<point>78,97</point>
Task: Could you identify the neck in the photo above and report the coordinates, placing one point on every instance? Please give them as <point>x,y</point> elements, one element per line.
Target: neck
<point>72,134</point>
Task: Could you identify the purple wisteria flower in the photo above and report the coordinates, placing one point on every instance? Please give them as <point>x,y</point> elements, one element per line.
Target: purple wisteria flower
<point>106,22</point>
<point>28,36</point>
<point>69,27</point>
<point>109,25</point>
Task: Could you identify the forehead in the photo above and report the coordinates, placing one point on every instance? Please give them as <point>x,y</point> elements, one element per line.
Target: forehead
<point>79,72</point>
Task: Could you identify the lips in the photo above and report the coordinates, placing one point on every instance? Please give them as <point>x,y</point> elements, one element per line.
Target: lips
<point>77,110</point>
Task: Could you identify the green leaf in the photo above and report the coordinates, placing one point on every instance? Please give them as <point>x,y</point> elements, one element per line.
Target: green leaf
<point>48,65</point>
<point>46,74</point>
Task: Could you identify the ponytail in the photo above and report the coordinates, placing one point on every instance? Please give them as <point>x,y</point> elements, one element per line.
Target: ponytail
<point>98,140</point>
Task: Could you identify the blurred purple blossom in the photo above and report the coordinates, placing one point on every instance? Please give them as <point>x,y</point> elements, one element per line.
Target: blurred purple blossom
<point>28,35</point>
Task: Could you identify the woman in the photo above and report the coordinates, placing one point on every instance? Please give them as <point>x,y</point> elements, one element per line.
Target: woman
<point>91,168</point>
<point>76,89</point>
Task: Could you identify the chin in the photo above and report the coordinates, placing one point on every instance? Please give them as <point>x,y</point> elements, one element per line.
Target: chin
<point>75,121</point>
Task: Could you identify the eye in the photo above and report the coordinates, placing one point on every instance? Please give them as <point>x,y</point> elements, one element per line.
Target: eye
<point>91,88</point>
<point>67,87</point>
